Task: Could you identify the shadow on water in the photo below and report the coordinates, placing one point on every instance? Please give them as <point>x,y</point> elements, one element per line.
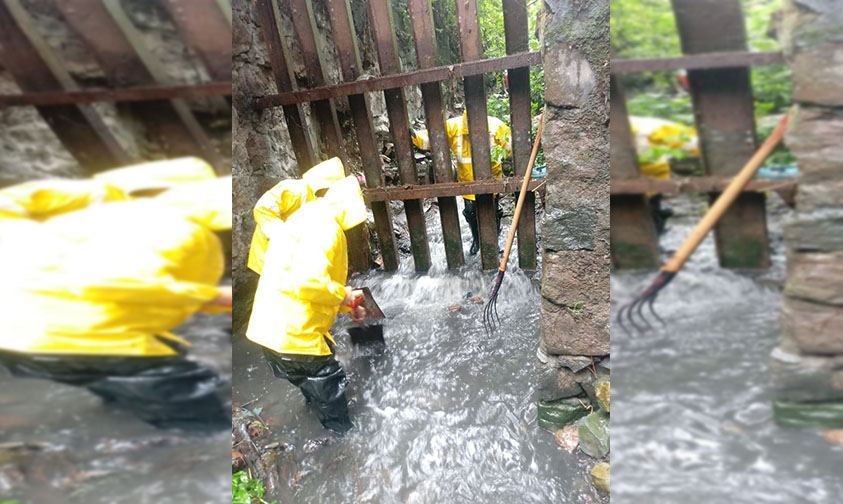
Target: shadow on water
<point>692,415</point>
<point>445,415</point>
<point>60,444</point>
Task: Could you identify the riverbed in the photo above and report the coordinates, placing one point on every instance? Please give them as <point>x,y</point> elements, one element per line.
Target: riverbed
<point>692,414</point>
<point>446,414</point>
<point>60,444</point>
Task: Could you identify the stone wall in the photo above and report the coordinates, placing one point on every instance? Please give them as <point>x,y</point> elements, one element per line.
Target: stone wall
<point>808,365</point>
<point>573,356</point>
<point>575,227</point>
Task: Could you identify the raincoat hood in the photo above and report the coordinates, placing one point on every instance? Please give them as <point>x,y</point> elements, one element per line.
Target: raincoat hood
<point>43,199</point>
<point>271,210</point>
<point>325,174</point>
<point>157,175</point>
<point>206,202</point>
<point>345,199</point>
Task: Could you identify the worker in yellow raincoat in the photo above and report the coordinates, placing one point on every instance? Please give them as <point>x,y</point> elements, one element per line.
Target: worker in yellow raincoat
<point>287,196</point>
<point>657,142</point>
<point>301,290</point>
<point>500,142</point>
<point>90,298</point>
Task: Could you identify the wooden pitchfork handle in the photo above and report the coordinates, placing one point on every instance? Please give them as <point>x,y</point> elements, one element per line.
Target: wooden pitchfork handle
<point>521,196</point>
<point>726,198</point>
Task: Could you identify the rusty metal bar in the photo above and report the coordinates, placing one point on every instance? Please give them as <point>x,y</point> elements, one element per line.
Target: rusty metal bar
<point>380,18</point>
<point>489,186</point>
<point>35,68</point>
<point>349,58</point>
<point>405,79</point>
<point>515,30</point>
<point>126,61</point>
<point>634,241</point>
<point>293,114</point>
<point>687,185</point>
<point>478,129</point>
<point>723,107</point>
<point>139,93</point>
<point>304,26</point>
<point>701,61</point>
<point>421,18</point>
<point>205,28</point>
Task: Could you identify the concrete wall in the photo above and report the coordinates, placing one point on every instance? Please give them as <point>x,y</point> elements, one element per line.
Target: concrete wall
<point>575,227</point>
<point>809,363</point>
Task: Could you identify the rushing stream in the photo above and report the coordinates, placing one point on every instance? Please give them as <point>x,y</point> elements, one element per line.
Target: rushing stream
<point>60,445</point>
<point>691,403</point>
<point>445,415</point>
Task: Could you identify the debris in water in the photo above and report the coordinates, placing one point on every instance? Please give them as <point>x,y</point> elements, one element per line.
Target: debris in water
<point>477,300</point>
<point>455,308</point>
<point>568,438</point>
<point>834,436</point>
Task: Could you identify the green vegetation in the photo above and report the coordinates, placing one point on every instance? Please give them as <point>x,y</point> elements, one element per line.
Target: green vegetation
<point>244,490</point>
<point>647,29</point>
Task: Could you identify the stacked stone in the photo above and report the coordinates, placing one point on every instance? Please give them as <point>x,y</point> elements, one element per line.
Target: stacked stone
<point>809,364</point>
<point>573,356</point>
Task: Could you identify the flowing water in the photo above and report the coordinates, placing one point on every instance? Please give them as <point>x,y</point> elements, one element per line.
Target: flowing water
<point>691,403</point>
<point>59,444</point>
<point>445,415</point>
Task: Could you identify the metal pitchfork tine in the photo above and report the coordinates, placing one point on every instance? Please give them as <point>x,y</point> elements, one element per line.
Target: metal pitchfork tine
<point>491,319</point>
<point>727,197</point>
<point>648,297</point>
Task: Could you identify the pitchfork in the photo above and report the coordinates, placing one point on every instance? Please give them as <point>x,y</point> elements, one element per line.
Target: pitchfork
<point>669,270</point>
<point>491,319</point>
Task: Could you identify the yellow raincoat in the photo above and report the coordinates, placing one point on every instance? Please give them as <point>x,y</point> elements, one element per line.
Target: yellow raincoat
<point>457,130</point>
<point>303,282</point>
<point>109,280</point>
<point>277,204</point>
<point>655,132</point>
<point>151,178</point>
<point>47,198</point>
<point>207,202</point>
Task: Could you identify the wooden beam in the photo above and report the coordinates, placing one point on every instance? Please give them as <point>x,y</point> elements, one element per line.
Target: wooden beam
<point>488,186</point>
<point>634,241</point>
<point>727,59</point>
<point>380,19</point>
<point>399,80</point>
<point>130,94</point>
<point>421,19</point>
<point>350,65</point>
<point>126,61</point>
<point>471,49</point>
<point>724,113</point>
<point>517,40</point>
<point>205,28</point>
<point>36,69</point>
<point>686,185</point>
<point>293,114</point>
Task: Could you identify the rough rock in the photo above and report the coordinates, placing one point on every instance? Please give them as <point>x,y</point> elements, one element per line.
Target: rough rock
<point>558,414</point>
<point>834,436</point>
<point>600,477</point>
<point>816,328</point>
<point>602,388</point>
<point>816,231</point>
<point>578,277</point>
<point>594,434</point>
<point>569,228</point>
<point>806,415</point>
<point>566,332</point>
<point>568,438</point>
<point>798,377</point>
<point>815,277</point>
